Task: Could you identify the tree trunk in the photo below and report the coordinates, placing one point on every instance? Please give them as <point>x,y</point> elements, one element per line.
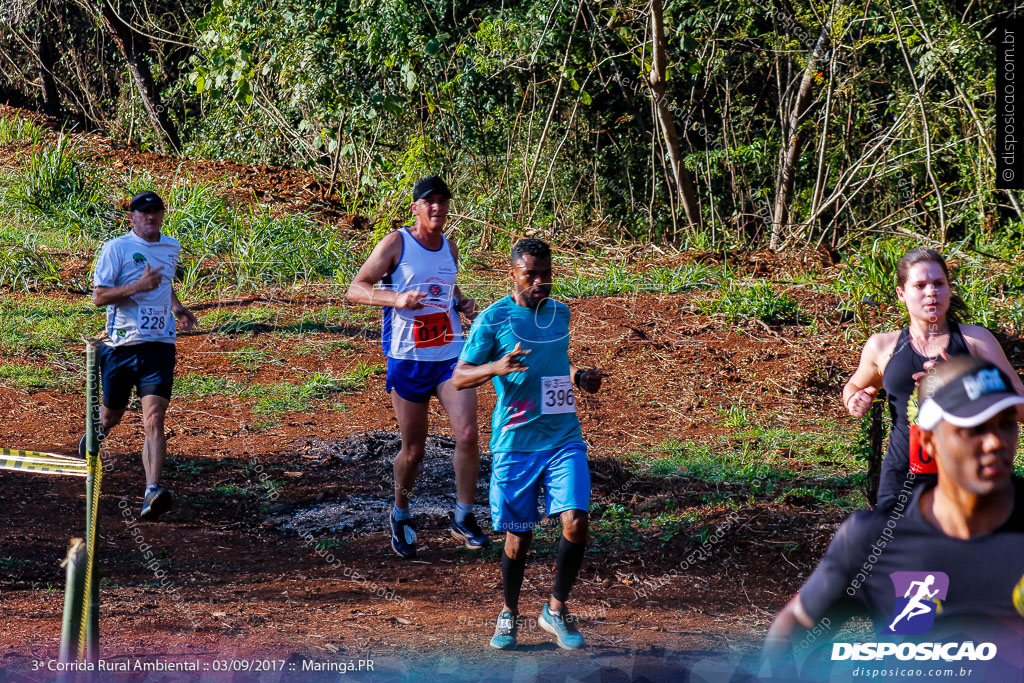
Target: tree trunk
<point>135,48</point>
<point>45,61</point>
<point>684,185</point>
<point>791,156</point>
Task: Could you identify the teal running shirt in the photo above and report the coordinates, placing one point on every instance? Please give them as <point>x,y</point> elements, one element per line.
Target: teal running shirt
<point>536,409</point>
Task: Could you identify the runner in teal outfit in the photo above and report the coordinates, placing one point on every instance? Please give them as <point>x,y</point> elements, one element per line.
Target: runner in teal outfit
<point>521,344</point>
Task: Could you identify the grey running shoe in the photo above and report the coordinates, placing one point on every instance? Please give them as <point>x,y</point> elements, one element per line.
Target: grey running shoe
<point>157,501</point>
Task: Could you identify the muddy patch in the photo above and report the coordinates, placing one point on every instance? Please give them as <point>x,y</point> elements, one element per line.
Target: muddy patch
<point>369,457</point>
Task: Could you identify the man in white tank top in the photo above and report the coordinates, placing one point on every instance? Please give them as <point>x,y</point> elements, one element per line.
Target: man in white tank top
<point>412,273</point>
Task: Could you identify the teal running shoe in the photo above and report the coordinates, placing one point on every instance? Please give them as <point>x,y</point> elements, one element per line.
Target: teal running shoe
<point>563,627</point>
<point>506,632</point>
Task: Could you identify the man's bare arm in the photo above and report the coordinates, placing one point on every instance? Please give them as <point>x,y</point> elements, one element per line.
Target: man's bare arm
<point>382,259</point>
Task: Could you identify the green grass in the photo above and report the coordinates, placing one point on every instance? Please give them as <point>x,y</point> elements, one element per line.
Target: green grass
<point>265,319</point>
<point>199,386</point>
<point>252,358</point>
<point>802,496</point>
<point>56,188</point>
<point>233,491</point>
<point>181,470</point>
<point>736,416</point>
<point>617,279</point>
<point>46,326</point>
<point>239,321</point>
<point>30,377</point>
<point>751,462</point>
<point>767,460</point>
<point>284,397</point>
<point>324,349</point>
<point>258,489</point>
<point>279,397</point>
<point>27,268</point>
<point>14,130</point>
<point>758,301</point>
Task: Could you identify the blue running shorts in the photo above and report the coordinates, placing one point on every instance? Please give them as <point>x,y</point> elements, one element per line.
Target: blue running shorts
<point>417,380</point>
<point>516,479</point>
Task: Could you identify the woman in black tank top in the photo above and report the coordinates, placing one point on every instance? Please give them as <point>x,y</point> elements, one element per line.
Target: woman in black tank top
<point>903,454</point>
<point>899,360</point>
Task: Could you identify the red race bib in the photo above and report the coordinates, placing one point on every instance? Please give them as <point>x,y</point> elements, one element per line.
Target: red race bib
<point>920,462</point>
<point>434,329</point>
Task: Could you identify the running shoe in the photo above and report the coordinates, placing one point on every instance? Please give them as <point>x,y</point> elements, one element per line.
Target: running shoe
<point>506,632</point>
<point>470,534</point>
<point>158,500</point>
<point>81,444</point>
<point>403,536</point>
<point>563,627</point>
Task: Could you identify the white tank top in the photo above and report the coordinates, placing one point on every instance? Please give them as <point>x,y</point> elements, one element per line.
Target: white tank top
<point>434,332</point>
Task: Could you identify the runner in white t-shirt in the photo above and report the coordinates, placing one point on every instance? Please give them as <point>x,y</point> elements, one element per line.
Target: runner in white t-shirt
<point>134,280</point>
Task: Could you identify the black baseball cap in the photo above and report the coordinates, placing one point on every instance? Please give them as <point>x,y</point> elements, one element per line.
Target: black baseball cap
<point>967,400</point>
<point>147,200</point>
<point>430,185</point>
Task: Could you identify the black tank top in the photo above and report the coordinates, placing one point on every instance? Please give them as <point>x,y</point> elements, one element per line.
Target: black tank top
<point>898,380</point>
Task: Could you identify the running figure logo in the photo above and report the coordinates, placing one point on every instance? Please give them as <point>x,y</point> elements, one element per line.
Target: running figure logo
<point>918,600</point>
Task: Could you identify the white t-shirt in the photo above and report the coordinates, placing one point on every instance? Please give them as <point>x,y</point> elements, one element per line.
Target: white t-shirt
<point>146,316</point>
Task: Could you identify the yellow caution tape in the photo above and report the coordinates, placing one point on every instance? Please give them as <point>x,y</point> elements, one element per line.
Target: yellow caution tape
<point>37,454</point>
<point>42,463</point>
<point>92,530</point>
<point>41,468</point>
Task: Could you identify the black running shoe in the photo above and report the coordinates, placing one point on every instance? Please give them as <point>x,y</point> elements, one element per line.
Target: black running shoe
<point>157,501</point>
<point>403,536</point>
<point>470,534</point>
<point>81,444</point>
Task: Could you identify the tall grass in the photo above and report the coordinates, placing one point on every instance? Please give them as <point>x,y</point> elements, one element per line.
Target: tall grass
<point>57,189</point>
<point>27,268</point>
<point>757,301</point>
<point>14,130</point>
<point>277,250</point>
<point>44,325</point>
<point>618,279</point>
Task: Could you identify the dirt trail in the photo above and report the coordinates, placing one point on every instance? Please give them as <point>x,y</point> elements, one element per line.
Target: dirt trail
<point>243,576</point>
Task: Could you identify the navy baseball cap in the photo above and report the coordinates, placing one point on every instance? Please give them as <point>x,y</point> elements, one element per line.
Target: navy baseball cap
<point>147,200</point>
<point>431,185</point>
<point>974,397</point>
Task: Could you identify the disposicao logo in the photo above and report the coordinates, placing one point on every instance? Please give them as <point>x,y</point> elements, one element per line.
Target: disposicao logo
<point>919,597</point>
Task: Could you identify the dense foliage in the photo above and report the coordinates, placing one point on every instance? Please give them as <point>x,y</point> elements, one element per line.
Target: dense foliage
<point>792,121</point>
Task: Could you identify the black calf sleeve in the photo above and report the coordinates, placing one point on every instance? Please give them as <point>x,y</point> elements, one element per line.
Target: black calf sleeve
<point>512,580</point>
<point>567,567</point>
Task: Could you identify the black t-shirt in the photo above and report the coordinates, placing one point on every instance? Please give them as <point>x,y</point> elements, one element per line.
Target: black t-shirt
<point>983,571</point>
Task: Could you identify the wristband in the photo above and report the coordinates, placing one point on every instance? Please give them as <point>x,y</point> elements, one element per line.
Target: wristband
<point>577,376</point>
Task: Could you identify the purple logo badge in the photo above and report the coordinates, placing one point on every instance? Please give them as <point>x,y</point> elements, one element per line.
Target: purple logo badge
<point>919,597</point>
